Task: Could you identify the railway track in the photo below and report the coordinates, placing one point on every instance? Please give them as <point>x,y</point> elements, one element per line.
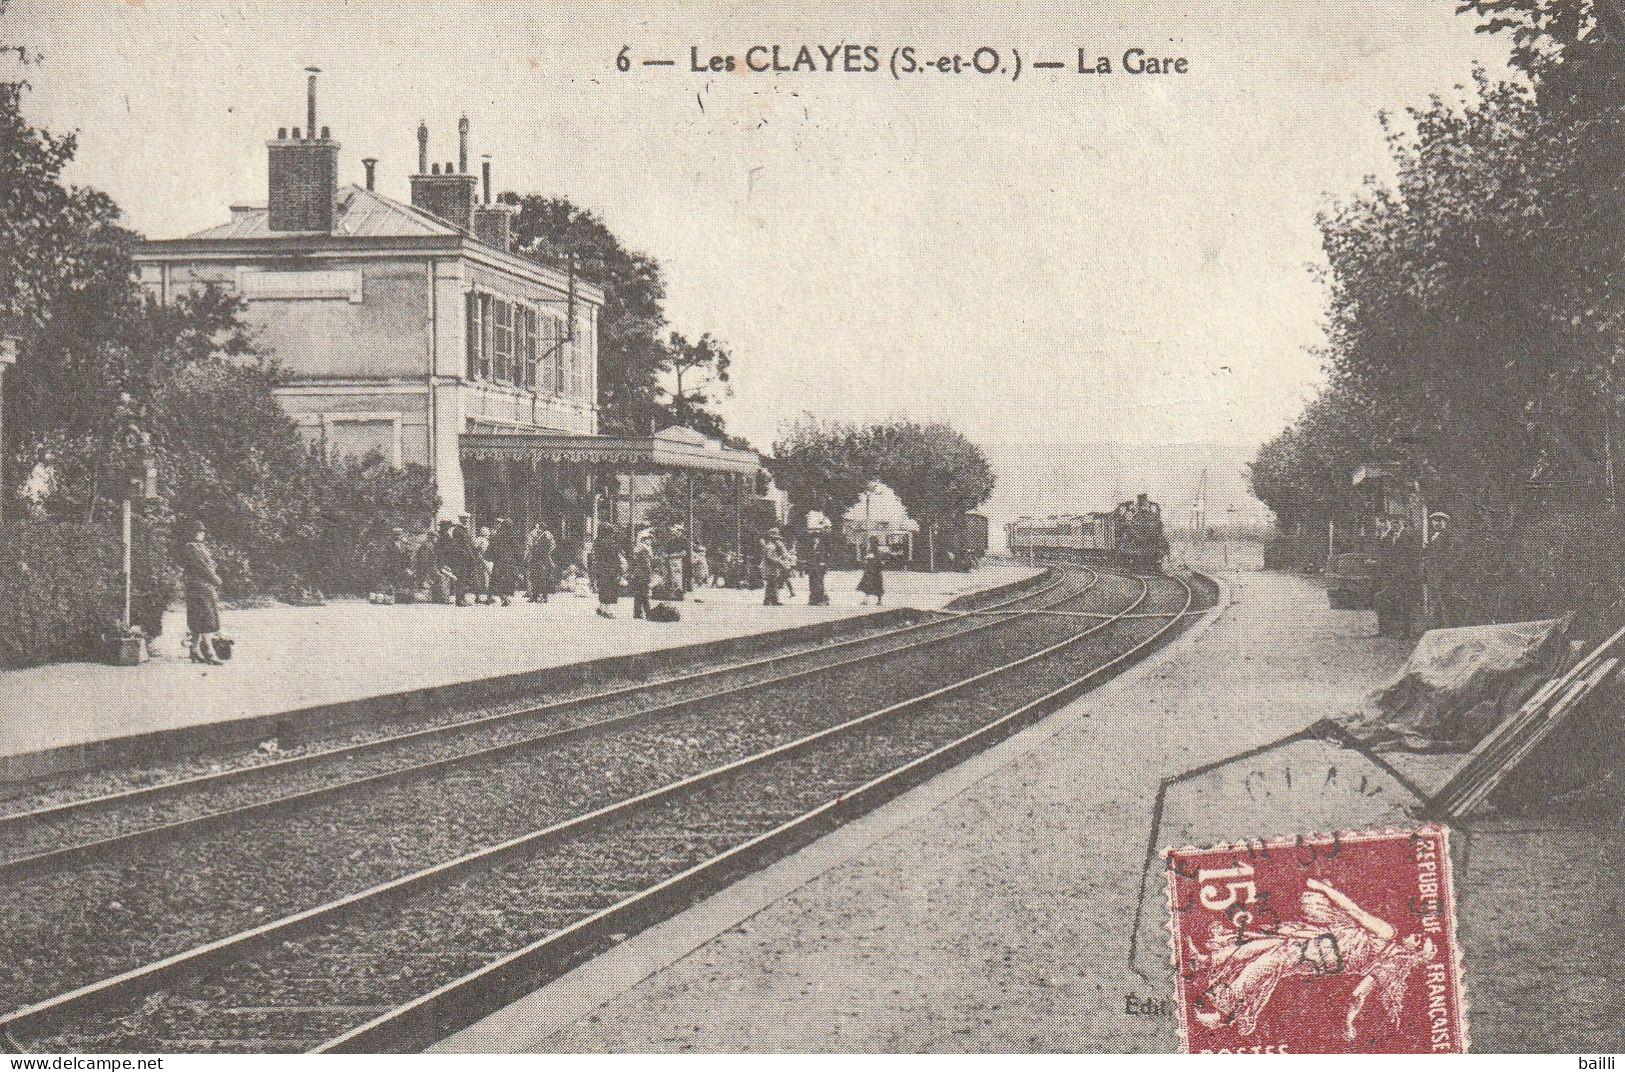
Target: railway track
<point>100,909</point>
<point>59,832</point>
<point>380,968</point>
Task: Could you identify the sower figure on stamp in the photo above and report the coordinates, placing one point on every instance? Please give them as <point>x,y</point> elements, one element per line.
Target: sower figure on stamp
<point>1337,937</point>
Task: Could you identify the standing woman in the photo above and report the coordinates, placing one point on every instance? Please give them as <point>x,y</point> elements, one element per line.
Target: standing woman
<point>873,581</point>
<point>608,566</point>
<point>202,597</point>
<point>539,560</point>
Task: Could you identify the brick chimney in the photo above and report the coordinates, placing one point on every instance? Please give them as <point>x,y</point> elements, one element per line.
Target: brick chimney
<point>493,222</point>
<point>303,174</point>
<point>450,194</point>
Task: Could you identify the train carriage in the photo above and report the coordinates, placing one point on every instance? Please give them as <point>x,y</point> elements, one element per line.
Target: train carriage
<point>1130,534</point>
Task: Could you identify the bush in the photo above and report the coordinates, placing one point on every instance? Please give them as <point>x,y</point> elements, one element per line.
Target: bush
<point>59,590</point>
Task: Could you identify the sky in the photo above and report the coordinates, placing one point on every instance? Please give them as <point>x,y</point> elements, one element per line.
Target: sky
<point>1104,280</point>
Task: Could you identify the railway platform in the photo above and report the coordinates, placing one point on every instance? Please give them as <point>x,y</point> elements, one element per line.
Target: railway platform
<point>989,909</point>
<point>61,717</point>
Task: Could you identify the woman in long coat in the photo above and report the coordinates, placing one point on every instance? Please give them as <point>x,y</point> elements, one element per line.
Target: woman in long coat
<point>873,581</point>
<point>539,564</point>
<point>202,597</point>
<point>608,566</point>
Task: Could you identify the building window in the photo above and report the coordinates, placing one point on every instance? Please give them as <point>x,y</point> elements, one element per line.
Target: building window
<point>502,316</point>
<point>527,347</point>
<point>487,314</point>
<point>552,349</point>
<point>476,333</point>
<point>578,368</point>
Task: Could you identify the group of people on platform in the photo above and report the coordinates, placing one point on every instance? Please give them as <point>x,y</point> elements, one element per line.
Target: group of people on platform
<point>781,560</point>
<point>457,563</point>
<point>1411,583</point>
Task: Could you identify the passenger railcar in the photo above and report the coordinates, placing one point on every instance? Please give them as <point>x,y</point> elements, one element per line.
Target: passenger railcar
<point>1130,534</point>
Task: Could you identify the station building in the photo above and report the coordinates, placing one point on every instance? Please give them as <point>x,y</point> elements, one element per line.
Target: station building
<point>415,330</point>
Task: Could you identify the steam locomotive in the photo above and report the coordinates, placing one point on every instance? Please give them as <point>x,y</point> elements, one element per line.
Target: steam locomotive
<point>1129,535</point>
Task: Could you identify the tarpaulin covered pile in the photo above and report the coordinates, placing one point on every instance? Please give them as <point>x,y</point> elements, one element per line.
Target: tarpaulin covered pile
<point>1459,684</point>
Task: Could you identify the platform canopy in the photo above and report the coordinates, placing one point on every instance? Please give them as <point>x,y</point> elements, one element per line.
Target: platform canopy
<point>671,450</point>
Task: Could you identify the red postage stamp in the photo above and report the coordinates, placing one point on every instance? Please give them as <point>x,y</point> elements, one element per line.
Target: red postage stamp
<point>1338,943</point>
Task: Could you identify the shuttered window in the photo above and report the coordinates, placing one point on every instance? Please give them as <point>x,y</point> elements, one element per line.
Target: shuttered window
<point>502,336</point>
<point>527,348</point>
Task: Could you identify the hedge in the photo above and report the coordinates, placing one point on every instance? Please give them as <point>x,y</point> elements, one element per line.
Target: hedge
<point>61,589</point>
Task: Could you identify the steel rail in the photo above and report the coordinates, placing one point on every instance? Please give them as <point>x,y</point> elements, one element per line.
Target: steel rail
<point>422,1020</point>
<point>101,992</point>
<point>51,811</point>
<point>83,850</point>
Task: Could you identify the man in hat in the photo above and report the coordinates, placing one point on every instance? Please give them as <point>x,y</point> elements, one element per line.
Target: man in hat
<point>1437,559</point>
<point>1396,580</point>
<point>775,562</point>
<point>815,560</point>
<point>641,572</point>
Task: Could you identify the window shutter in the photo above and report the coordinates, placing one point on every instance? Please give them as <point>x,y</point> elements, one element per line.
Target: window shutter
<point>475,333</point>
<point>528,352</point>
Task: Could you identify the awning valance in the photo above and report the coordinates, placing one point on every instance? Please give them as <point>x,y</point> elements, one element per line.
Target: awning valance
<point>675,449</point>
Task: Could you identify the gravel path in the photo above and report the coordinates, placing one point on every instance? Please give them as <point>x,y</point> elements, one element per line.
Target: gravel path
<point>309,988</point>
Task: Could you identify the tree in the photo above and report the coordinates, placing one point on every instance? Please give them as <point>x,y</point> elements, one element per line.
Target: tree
<point>696,369</point>
<point>821,466</point>
<point>935,470</point>
<point>1475,305</point>
<point>634,364</point>
<point>631,356</point>
<point>1574,50</point>
<point>97,359</point>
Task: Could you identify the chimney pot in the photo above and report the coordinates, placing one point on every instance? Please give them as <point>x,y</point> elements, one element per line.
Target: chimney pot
<point>281,133</point>
<point>325,134</point>
<point>371,164</point>
<point>485,176</point>
<point>462,145</point>
<point>448,168</point>
<point>423,147</point>
<point>434,169</point>
<point>295,133</point>
<point>310,102</point>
